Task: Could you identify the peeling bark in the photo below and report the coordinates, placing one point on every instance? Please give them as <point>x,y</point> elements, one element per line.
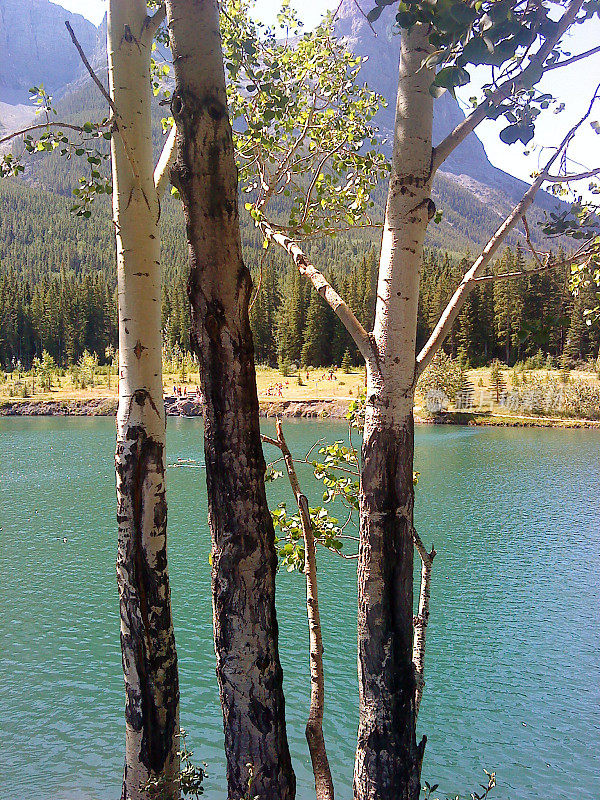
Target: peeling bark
<point>147,637</point>
<point>244,559</point>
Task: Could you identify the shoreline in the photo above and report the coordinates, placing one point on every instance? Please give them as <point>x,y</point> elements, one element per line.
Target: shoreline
<point>333,409</point>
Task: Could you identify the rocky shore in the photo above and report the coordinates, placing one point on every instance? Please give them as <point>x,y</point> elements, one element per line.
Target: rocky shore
<point>295,409</point>
<point>93,407</point>
<point>174,407</point>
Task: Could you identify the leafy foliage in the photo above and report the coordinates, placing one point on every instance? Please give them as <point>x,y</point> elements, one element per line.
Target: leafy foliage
<point>504,35</point>
<point>303,123</point>
<point>191,777</point>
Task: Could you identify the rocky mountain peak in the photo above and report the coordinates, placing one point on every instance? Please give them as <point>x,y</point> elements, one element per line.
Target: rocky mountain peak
<point>35,47</point>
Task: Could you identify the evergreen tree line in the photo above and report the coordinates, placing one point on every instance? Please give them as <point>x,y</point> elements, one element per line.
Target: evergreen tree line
<point>506,319</point>
<point>74,310</point>
<point>64,314</point>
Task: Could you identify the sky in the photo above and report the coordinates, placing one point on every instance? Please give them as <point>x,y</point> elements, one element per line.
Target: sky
<point>311,13</point>
<point>575,85</point>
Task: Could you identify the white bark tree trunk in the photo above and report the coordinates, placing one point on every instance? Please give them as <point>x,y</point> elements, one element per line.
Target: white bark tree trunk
<point>387,757</point>
<point>219,287</point>
<point>147,637</point>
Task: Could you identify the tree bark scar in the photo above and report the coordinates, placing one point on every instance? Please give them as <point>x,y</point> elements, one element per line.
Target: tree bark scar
<point>148,624</point>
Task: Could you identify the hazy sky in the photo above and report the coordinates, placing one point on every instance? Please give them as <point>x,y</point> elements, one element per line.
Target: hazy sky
<point>575,85</point>
<point>94,9</point>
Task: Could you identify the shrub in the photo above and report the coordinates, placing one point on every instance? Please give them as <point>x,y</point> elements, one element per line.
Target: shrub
<point>443,374</point>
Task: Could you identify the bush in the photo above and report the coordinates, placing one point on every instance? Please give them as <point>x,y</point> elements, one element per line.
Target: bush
<point>551,396</point>
<point>443,374</point>
<point>582,399</point>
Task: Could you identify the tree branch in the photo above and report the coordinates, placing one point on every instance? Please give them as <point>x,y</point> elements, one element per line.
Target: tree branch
<point>165,162</point>
<point>592,51</point>
<point>314,726</point>
<point>339,306</point>
<point>153,23</point>
<point>452,310</point>
<point>506,89</point>
<point>88,66</point>
<point>422,619</point>
<point>578,257</point>
<point>100,85</point>
<point>575,176</point>
<point>41,126</point>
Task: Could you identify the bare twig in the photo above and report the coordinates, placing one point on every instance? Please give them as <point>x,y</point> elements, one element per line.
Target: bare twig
<point>260,278</point>
<point>580,256</point>
<point>130,156</point>
<point>557,64</point>
<point>88,66</point>
<point>575,176</point>
<point>314,726</point>
<point>422,619</point>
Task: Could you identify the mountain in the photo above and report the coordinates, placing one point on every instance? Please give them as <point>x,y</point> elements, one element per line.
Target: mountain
<point>469,163</point>
<point>474,195</point>
<point>35,47</point>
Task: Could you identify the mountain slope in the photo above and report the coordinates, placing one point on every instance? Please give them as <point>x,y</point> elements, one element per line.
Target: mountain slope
<point>35,46</point>
<point>474,195</point>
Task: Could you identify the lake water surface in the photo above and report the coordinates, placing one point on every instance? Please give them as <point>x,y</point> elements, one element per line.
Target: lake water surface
<point>513,662</point>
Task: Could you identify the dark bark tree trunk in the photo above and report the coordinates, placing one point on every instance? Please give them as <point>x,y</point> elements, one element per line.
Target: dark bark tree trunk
<point>244,558</point>
<point>387,755</point>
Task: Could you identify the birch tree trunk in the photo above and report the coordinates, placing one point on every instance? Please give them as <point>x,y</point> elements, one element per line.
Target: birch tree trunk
<point>387,759</point>
<point>147,638</point>
<point>244,558</point>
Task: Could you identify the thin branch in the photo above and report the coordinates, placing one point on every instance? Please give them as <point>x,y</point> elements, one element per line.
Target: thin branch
<point>344,312</point>
<point>162,176</point>
<point>422,619</point>
<point>130,156</point>
<point>506,89</point>
<point>579,257</point>
<point>41,126</point>
<point>575,176</point>
<point>313,183</point>
<point>592,51</point>
<point>260,280</point>
<point>88,66</point>
<point>452,310</point>
<point>314,726</point>
<point>532,248</point>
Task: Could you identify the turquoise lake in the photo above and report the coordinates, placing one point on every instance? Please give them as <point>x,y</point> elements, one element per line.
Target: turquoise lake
<point>513,660</point>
